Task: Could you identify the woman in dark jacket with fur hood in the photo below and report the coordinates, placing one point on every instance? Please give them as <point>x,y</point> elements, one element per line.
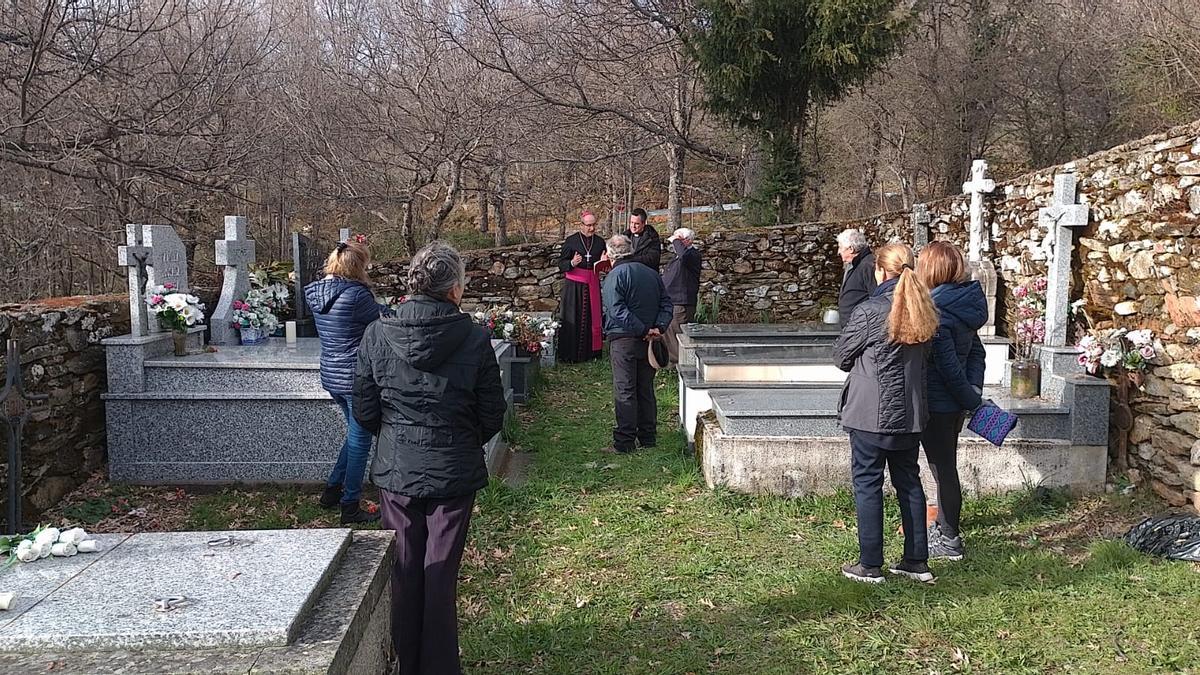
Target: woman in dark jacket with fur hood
<point>429,386</point>
<point>343,306</point>
<point>955,383</point>
<point>883,347</point>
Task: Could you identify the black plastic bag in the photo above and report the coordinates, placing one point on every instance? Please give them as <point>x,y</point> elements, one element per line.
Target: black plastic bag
<point>1169,536</point>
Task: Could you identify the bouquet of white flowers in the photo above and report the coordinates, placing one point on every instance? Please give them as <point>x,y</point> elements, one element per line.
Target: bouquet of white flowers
<point>176,310</point>
<point>257,311</point>
<point>45,542</point>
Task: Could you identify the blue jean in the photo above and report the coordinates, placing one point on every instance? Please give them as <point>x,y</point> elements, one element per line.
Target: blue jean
<point>867,463</point>
<point>352,460</point>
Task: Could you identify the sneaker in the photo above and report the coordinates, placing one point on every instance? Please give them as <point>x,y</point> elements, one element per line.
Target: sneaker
<point>354,514</point>
<point>912,570</point>
<point>860,572</point>
<point>942,547</point>
<point>331,496</point>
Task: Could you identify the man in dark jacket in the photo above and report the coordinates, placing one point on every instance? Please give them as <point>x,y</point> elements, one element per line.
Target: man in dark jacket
<point>859,279</point>
<point>636,310</point>
<point>682,281</point>
<point>429,386</point>
<point>647,246</point>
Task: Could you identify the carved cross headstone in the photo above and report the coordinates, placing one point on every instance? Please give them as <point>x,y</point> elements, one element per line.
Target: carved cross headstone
<point>920,225</point>
<point>1060,218</point>
<point>134,257</point>
<point>977,187</point>
<point>235,252</point>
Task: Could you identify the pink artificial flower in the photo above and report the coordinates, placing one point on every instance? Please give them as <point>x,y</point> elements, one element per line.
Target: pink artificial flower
<point>1147,352</point>
<point>169,286</point>
<point>1020,291</point>
<point>1040,284</point>
<point>156,299</point>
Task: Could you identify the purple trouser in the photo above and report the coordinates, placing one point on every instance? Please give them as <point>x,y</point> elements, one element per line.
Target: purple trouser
<point>430,536</point>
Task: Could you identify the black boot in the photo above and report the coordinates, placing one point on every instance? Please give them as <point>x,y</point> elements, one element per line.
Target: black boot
<point>352,514</point>
<point>331,496</point>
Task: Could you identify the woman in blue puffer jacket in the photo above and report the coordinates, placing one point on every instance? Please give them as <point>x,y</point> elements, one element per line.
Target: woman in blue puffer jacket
<point>955,385</point>
<point>343,306</point>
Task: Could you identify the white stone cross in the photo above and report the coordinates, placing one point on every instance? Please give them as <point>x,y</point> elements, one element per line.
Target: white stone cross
<point>1061,217</point>
<point>978,186</point>
<point>134,256</point>
<point>235,252</point>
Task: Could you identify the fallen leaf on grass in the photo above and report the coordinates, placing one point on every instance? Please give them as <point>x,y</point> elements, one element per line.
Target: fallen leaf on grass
<point>839,524</point>
<point>707,603</point>
<point>581,601</point>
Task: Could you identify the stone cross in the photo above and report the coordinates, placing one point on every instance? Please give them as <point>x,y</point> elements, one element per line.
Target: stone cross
<point>977,187</point>
<point>235,252</point>
<point>1060,218</point>
<point>920,225</point>
<point>167,261</point>
<point>134,256</point>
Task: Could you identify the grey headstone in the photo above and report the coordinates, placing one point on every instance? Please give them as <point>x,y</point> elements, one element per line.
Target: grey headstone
<point>1060,218</point>
<point>134,257</point>
<point>920,225</point>
<point>308,259</point>
<point>167,262</point>
<point>343,234</point>
<point>235,253</point>
<point>977,187</point>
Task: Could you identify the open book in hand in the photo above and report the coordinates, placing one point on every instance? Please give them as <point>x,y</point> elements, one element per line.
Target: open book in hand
<point>602,266</point>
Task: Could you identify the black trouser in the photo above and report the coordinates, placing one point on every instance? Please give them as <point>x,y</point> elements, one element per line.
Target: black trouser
<point>430,536</point>
<point>940,440</point>
<point>633,393</point>
<point>680,315</point>
<point>867,462</point>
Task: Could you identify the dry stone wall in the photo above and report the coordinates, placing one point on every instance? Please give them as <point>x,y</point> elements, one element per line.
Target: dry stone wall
<point>59,342</point>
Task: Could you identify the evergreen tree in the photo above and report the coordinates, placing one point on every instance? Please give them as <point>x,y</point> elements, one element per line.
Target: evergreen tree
<point>765,63</point>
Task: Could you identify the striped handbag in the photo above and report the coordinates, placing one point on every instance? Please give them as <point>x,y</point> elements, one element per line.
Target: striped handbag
<point>992,422</point>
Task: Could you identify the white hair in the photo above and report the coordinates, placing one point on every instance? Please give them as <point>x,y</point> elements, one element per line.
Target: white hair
<point>435,270</point>
<point>619,247</point>
<point>852,239</point>
<point>685,233</point>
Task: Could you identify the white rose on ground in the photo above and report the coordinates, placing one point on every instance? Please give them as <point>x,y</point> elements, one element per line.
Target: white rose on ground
<point>73,536</point>
<point>88,546</point>
<point>62,550</point>
<point>26,552</point>
<point>47,536</point>
<point>42,550</point>
<point>6,600</point>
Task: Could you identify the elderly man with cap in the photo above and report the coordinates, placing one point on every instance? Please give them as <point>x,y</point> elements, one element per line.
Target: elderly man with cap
<point>636,310</point>
<point>682,281</point>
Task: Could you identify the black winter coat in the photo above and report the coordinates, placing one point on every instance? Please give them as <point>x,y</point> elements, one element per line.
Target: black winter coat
<point>647,248</point>
<point>682,277</point>
<point>342,309</point>
<point>857,285</point>
<point>957,358</point>
<point>429,386</point>
<point>885,391</point>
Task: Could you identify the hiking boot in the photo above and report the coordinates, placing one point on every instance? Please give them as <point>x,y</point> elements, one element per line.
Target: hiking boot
<point>862,573</point>
<point>331,496</point>
<point>942,547</point>
<point>353,514</point>
<point>912,570</point>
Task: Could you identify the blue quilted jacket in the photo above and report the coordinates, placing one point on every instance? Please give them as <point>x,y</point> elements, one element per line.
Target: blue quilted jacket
<point>342,310</point>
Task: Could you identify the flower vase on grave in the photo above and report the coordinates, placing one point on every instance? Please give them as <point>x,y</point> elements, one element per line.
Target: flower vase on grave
<point>252,336</point>
<point>1025,378</point>
<point>180,340</point>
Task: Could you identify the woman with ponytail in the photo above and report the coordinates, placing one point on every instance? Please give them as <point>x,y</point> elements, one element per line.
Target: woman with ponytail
<point>884,348</point>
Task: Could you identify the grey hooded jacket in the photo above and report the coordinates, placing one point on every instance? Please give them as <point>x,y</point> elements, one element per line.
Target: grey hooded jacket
<point>885,391</point>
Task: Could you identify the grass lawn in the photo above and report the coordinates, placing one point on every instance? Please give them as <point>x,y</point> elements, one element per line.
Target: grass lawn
<point>606,564</point>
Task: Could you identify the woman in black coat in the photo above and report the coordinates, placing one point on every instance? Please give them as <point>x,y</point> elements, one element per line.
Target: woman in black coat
<point>955,383</point>
<point>429,386</point>
<point>883,407</point>
<point>343,306</point>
